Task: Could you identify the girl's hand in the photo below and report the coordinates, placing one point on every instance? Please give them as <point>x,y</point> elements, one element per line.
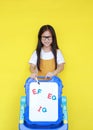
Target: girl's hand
<point>33,75</point>
<point>49,74</point>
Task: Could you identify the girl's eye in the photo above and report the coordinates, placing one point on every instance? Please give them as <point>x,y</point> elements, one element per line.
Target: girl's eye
<point>46,37</point>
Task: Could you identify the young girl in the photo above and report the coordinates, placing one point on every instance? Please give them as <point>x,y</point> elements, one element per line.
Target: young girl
<point>47,60</point>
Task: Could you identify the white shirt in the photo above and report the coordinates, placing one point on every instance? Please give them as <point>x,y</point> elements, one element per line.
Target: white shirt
<point>47,56</point>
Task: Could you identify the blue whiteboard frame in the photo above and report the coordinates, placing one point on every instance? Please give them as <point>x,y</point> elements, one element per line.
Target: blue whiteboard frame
<point>43,124</point>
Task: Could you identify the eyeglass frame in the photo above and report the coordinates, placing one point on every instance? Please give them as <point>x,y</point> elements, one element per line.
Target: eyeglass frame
<point>46,37</point>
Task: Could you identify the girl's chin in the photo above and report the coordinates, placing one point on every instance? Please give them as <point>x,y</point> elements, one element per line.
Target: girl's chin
<point>47,45</point>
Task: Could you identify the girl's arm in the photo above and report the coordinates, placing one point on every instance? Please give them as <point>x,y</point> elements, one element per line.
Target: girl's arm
<point>60,67</point>
<point>33,70</point>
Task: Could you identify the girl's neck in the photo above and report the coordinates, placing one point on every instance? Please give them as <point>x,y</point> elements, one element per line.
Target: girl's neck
<point>47,49</point>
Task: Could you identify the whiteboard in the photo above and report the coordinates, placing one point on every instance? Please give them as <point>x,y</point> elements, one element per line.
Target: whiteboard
<point>43,101</point>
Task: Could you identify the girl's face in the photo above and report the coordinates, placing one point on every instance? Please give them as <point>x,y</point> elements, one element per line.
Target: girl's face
<point>46,38</point>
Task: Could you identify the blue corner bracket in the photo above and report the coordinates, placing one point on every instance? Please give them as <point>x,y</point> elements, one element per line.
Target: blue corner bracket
<point>64,125</point>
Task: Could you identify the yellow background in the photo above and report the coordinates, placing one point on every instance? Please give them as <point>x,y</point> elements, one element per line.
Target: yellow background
<point>20,21</point>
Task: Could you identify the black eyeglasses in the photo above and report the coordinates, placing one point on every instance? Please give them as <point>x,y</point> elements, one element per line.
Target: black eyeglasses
<point>46,37</point>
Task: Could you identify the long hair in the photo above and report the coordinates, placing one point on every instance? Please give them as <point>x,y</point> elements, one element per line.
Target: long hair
<point>54,45</point>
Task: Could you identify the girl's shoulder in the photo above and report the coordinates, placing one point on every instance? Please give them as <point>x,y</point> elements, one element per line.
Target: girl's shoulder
<point>60,57</point>
<point>34,52</point>
<point>59,51</point>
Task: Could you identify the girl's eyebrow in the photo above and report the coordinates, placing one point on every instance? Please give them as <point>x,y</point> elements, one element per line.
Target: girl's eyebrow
<point>46,36</point>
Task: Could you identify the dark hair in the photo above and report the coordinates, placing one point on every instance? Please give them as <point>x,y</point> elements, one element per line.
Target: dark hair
<point>54,45</point>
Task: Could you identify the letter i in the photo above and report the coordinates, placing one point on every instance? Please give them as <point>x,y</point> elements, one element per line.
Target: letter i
<point>39,109</point>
